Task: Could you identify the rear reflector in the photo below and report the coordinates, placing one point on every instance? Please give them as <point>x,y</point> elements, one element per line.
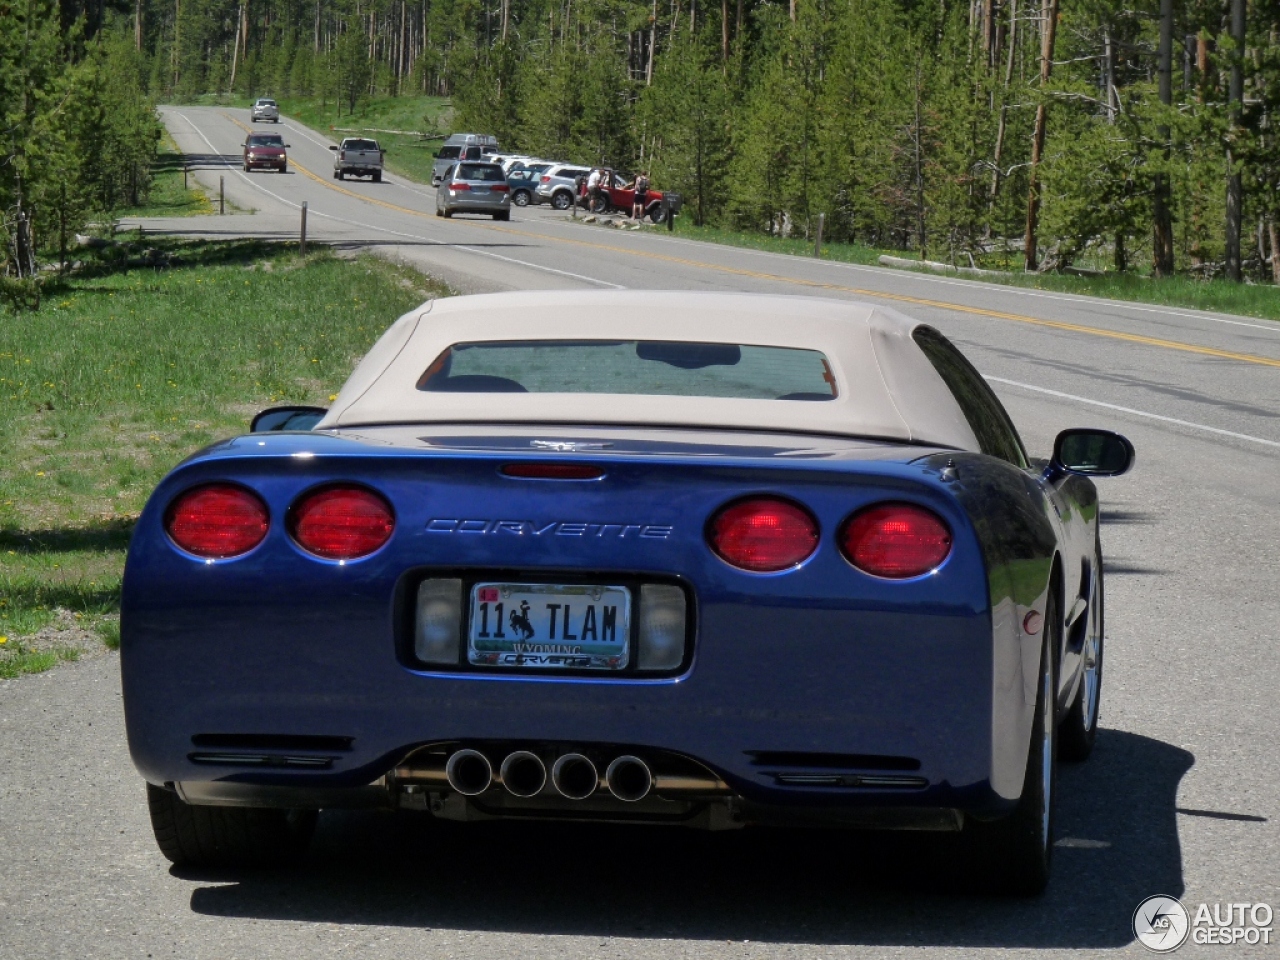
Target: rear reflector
<point>895,540</point>
<point>763,535</point>
<point>437,633</point>
<point>218,520</point>
<point>662,627</point>
<point>552,471</point>
<point>341,523</point>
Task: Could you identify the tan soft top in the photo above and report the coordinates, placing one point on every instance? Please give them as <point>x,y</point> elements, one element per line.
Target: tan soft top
<point>886,386</point>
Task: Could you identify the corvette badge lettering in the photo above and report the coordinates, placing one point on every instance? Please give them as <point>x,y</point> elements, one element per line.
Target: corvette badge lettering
<point>559,528</point>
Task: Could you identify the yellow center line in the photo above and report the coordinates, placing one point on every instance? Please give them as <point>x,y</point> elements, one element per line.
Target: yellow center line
<point>818,284</point>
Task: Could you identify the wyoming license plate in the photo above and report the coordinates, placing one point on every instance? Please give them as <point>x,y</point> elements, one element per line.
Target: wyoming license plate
<point>549,626</point>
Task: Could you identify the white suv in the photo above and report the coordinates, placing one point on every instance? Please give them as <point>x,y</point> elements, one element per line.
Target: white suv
<point>558,185</point>
<point>265,109</point>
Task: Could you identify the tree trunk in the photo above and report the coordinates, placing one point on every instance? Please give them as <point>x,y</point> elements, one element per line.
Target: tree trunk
<point>1273,235</point>
<point>1235,97</point>
<point>1049,30</point>
<point>1004,107</point>
<point>1162,217</point>
<point>724,31</point>
<point>235,53</point>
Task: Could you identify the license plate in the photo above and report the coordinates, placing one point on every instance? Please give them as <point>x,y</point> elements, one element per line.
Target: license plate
<point>549,626</point>
<point>480,189</point>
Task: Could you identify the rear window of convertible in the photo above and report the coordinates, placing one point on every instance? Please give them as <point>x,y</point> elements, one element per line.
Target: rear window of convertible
<point>649,367</point>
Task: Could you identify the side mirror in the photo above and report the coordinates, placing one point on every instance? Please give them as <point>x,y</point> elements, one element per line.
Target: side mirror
<point>333,148</point>
<point>288,146</point>
<point>287,418</point>
<point>1092,453</point>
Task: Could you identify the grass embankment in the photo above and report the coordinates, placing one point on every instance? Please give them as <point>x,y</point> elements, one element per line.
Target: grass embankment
<point>1219,296</point>
<point>408,154</point>
<point>124,372</point>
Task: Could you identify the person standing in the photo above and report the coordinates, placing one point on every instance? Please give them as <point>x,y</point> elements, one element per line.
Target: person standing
<point>593,189</point>
<point>641,196</point>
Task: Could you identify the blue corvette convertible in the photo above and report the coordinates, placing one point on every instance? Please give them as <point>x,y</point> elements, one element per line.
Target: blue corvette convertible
<point>693,559</point>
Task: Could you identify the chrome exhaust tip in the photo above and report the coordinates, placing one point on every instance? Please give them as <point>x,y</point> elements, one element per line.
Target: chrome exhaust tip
<point>574,776</point>
<point>469,772</point>
<point>629,778</point>
<point>523,774</point>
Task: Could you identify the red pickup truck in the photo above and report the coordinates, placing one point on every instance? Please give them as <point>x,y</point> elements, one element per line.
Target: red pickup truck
<point>616,196</point>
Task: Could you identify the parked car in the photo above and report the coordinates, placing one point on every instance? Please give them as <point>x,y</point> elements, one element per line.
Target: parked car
<point>704,559</point>
<point>358,157</point>
<point>474,188</point>
<point>461,146</point>
<point>522,184</point>
<point>615,196</point>
<point>265,150</point>
<point>558,185</point>
<point>265,109</point>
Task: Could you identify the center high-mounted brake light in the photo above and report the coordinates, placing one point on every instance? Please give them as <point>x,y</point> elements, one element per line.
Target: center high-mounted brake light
<point>895,540</point>
<point>763,534</point>
<point>341,522</point>
<point>217,521</point>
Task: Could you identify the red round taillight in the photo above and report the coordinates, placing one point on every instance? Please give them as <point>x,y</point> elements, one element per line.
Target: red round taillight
<point>763,535</point>
<point>341,523</point>
<point>217,520</point>
<point>895,540</point>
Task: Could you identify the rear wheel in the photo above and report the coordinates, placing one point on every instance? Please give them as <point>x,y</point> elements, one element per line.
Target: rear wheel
<point>377,177</point>
<point>599,205</point>
<point>520,198</point>
<point>227,836</point>
<point>1080,725</point>
<point>1013,855</point>
<point>562,200</point>
<point>657,213</point>
<point>341,175</point>
<point>504,215</point>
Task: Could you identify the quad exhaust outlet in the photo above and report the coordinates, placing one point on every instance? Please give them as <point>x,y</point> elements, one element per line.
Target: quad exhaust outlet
<point>523,774</point>
<point>469,772</point>
<point>629,778</point>
<point>575,776</point>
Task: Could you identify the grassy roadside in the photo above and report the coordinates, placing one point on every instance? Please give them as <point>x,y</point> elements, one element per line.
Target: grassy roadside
<point>168,197</point>
<point>125,371</point>
<point>1218,296</point>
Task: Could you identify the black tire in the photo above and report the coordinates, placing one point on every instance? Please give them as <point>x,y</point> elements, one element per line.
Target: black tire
<point>448,214</point>
<point>246,168</point>
<point>377,177</point>
<point>284,168</point>
<point>439,212</point>
<point>600,205</point>
<point>657,213</point>
<point>341,175</point>
<point>227,836</point>
<point>562,200</point>
<point>1079,728</point>
<point>520,198</point>
<point>504,215</point>
<point>1013,855</point>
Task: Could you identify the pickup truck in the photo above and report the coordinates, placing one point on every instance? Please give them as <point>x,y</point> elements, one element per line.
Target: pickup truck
<point>358,157</point>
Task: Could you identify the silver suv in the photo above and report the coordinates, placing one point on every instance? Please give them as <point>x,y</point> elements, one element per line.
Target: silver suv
<point>557,185</point>
<point>265,109</point>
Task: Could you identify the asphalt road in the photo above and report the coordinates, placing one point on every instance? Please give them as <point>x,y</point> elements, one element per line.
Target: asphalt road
<point>1180,797</point>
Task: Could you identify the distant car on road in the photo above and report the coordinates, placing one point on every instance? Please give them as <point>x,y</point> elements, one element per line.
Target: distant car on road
<point>358,157</point>
<point>474,188</point>
<point>265,150</point>
<point>265,110</point>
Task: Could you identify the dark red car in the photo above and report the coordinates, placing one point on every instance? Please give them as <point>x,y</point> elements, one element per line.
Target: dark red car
<point>265,150</point>
<point>618,197</point>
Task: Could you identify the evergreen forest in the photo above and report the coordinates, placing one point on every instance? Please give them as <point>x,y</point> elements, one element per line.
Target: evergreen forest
<point>1067,134</point>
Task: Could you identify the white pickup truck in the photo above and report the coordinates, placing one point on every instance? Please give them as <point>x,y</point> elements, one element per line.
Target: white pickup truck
<point>358,157</point>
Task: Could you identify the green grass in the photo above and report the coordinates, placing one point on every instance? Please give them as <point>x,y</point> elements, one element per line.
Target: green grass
<point>124,372</point>
<point>408,154</point>
<point>1219,296</point>
<point>169,198</point>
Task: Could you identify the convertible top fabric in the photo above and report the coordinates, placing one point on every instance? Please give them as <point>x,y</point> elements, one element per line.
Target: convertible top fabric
<point>887,388</point>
